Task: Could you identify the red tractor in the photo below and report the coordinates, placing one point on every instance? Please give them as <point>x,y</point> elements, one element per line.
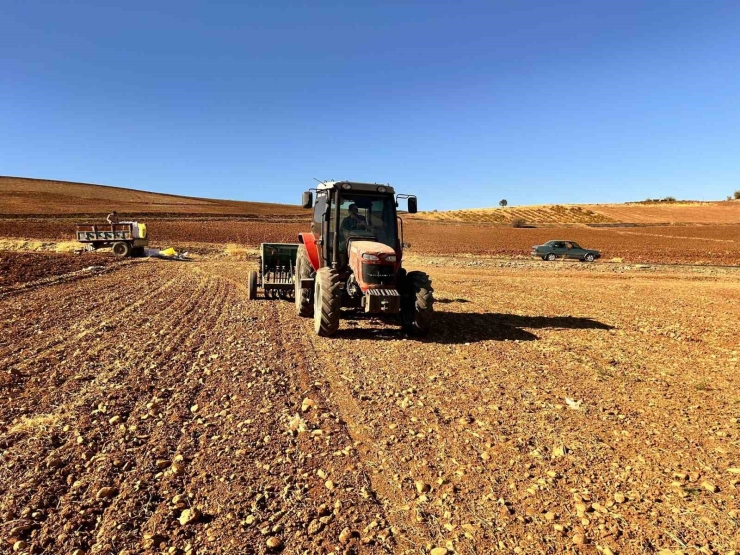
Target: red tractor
<point>352,258</point>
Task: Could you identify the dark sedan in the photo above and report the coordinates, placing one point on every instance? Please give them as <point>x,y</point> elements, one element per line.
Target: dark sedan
<point>564,249</point>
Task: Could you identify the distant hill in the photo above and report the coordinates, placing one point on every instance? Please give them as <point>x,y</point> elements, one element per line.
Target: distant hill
<point>722,212</point>
<point>24,196</point>
<point>21,196</point>
<point>550,214</point>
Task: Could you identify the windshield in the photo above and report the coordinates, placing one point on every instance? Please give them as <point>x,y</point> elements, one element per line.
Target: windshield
<point>368,216</point>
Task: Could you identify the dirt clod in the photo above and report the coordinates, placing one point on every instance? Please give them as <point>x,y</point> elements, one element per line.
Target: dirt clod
<point>189,516</point>
<point>345,535</point>
<point>106,492</point>
<point>274,542</point>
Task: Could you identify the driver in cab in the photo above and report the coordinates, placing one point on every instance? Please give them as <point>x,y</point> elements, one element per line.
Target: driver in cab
<point>354,220</point>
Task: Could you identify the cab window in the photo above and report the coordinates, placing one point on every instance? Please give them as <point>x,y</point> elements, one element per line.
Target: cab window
<point>367,216</point>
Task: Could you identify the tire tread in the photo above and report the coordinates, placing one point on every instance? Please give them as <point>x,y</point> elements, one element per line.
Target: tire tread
<point>420,291</point>
<point>327,301</point>
<point>303,301</point>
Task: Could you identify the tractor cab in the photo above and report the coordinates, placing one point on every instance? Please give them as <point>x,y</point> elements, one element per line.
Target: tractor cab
<point>352,212</point>
<point>356,242</point>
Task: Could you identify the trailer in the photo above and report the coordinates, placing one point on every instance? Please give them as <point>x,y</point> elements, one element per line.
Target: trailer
<point>276,274</point>
<point>124,238</point>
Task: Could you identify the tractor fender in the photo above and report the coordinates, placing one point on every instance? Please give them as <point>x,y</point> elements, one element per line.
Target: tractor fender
<point>312,248</point>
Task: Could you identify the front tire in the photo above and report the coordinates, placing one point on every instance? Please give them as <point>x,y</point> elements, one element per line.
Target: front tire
<point>121,249</point>
<point>588,258</point>
<point>303,295</point>
<point>252,285</point>
<point>417,303</point>
<point>327,302</point>
<point>550,257</point>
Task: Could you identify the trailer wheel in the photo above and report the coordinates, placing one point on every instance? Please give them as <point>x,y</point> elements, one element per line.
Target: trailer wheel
<point>252,285</point>
<point>121,249</point>
<point>417,303</point>
<point>328,302</point>
<point>303,295</point>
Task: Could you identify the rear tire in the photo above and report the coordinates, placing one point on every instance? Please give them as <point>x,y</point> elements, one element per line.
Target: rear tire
<point>550,257</point>
<point>327,302</point>
<point>252,285</point>
<point>417,303</point>
<point>303,295</point>
<point>121,249</point>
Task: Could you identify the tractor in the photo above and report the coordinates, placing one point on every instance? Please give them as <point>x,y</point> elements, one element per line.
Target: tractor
<point>352,258</point>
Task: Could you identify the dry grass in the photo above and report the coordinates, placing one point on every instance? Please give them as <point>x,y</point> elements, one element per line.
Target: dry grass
<point>238,251</point>
<point>679,212</point>
<point>39,423</point>
<point>550,214</point>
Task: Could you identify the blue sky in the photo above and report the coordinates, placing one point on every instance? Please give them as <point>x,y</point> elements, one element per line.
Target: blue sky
<point>462,103</point>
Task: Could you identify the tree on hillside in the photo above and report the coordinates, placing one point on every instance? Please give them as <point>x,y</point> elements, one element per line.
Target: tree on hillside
<point>503,202</point>
<point>737,195</point>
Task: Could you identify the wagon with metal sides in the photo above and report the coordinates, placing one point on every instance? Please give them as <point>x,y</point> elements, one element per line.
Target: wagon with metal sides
<point>276,272</point>
<point>124,238</point>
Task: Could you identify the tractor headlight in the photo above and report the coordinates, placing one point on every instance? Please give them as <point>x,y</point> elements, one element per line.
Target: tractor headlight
<point>367,256</point>
<point>390,258</point>
<point>346,186</point>
<point>382,189</point>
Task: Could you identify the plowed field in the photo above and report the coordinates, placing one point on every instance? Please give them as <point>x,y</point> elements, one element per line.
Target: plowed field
<point>153,409</point>
<point>27,196</point>
<point>23,268</point>
<point>719,244</point>
<point>659,244</point>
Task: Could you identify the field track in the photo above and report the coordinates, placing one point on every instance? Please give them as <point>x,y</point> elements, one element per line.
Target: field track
<point>159,379</point>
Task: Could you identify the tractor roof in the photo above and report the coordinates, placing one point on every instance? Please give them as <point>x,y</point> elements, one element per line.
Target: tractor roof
<point>354,186</point>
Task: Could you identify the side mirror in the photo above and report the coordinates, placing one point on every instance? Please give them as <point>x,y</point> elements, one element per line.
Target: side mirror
<point>412,205</point>
<point>307,199</point>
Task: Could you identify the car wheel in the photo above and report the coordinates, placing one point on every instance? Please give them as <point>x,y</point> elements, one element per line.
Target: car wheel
<point>550,257</point>
<point>589,257</point>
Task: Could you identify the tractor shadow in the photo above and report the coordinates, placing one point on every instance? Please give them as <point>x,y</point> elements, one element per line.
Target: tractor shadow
<point>472,327</point>
<point>448,301</point>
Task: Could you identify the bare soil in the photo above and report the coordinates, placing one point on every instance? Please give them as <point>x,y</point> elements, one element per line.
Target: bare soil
<point>708,244</point>
<point>554,408</point>
<point>24,267</point>
<point>28,197</point>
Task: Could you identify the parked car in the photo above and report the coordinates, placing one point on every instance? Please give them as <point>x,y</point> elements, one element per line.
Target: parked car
<point>564,249</point>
